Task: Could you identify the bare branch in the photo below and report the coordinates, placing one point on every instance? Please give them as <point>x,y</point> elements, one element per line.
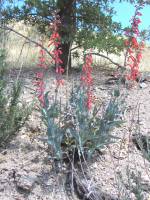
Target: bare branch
<point>106,57</point>
<point>46,50</point>
<point>75,47</point>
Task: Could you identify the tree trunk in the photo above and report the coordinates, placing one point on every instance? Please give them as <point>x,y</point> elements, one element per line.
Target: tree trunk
<point>66,56</point>
<point>66,14</point>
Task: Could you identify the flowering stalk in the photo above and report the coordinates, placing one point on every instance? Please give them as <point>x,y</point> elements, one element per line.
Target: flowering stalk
<point>87,80</point>
<point>134,48</point>
<point>55,41</point>
<point>39,83</point>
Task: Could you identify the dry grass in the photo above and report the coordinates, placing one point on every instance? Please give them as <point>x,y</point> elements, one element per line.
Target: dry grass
<point>23,54</point>
<point>145,64</point>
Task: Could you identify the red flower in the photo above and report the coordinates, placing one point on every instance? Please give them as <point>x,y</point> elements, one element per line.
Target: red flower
<point>39,75</point>
<point>131,58</point>
<point>139,57</point>
<point>59,70</point>
<point>87,80</point>
<point>134,48</point>
<point>89,100</point>
<point>59,82</point>
<point>134,43</point>
<point>55,41</point>
<point>39,83</point>
<point>126,43</point>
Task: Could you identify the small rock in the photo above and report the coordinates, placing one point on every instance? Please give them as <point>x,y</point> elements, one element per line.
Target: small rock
<point>4,152</point>
<point>143,85</point>
<point>145,185</point>
<point>111,81</point>
<point>2,158</point>
<point>1,188</point>
<point>26,183</point>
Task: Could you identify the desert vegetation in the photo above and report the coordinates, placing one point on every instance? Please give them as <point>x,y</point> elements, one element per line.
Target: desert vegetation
<point>74,102</point>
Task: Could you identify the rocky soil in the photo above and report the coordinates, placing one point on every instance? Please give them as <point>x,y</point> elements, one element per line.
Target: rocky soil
<point>120,171</point>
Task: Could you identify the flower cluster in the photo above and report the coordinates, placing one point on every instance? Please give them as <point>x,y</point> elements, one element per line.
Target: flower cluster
<point>55,42</point>
<point>87,79</point>
<point>39,83</point>
<point>134,48</point>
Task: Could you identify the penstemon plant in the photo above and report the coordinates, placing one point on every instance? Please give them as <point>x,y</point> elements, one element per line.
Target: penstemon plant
<point>80,126</point>
<point>134,47</point>
<point>51,113</point>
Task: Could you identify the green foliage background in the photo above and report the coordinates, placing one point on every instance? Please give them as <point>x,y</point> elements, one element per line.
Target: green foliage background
<point>90,24</point>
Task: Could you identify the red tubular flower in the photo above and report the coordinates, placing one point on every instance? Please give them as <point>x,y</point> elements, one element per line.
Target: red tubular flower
<point>39,82</point>
<point>39,75</point>
<point>87,80</point>
<point>134,48</point>
<point>139,57</point>
<point>89,100</point>
<point>55,41</point>
<point>42,59</point>
<point>126,43</point>
<point>135,44</point>
<point>40,87</point>
<point>59,70</point>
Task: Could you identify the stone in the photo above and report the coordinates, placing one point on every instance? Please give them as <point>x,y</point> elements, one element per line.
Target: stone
<point>1,187</point>
<point>2,159</point>
<point>26,182</point>
<point>143,85</point>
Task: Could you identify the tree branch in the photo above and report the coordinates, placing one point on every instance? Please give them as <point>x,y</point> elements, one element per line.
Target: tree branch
<point>106,57</point>
<point>27,38</point>
<point>74,48</point>
<point>46,50</point>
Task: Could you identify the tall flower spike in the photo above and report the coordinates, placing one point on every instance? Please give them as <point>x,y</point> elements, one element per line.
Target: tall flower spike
<point>54,42</point>
<point>40,87</point>
<point>134,48</point>
<point>39,82</point>
<point>87,80</point>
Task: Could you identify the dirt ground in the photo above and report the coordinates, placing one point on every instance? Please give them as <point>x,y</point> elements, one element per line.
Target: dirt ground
<point>120,170</point>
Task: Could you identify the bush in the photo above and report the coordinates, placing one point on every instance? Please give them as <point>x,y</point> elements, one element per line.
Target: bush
<point>13,114</point>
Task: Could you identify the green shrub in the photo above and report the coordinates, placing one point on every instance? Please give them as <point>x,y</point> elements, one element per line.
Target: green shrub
<point>13,113</point>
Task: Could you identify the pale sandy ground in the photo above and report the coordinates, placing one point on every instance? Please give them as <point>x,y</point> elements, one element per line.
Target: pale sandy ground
<point>23,163</point>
